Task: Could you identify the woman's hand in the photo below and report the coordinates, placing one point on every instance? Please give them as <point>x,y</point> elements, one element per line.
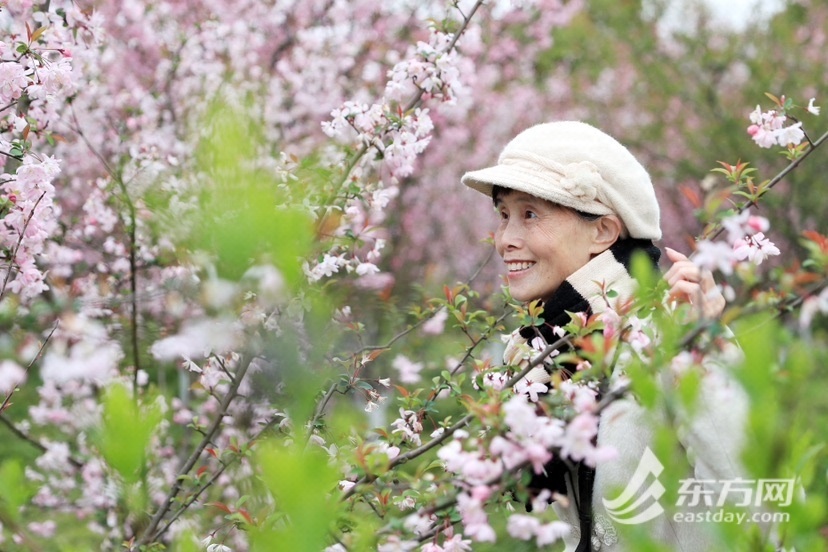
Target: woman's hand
<point>690,283</point>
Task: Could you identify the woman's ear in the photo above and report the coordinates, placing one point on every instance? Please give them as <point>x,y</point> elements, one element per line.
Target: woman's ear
<point>607,230</point>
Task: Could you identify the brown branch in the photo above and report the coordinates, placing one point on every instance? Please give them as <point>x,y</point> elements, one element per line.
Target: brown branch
<point>773,182</point>
<point>417,98</point>
<point>34,442</point>
<point>149,534</point>
<point>419,451</point>
<point>224,465</point>
<point>19,243</point>
<point>31,363</point>
<point>133,246</point>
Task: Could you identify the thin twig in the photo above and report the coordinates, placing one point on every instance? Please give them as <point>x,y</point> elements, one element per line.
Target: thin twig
<point>419,451</point>
<point>133,246</point>
<point>224,465</point>
<point>416,99</point>
<point>475,344</point>
<point>31,363</point>
<point>34,442</point>
<point>320,410</point>
<point>149,534</point>
<point>19,243</point>
<point>773,182</point>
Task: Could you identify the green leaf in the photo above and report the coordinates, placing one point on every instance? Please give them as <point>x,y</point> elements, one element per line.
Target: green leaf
<point>642,269</point>
<point>302,483</point>
<point>126,431</point>
<point>17,489</point>
<point>245,217</point>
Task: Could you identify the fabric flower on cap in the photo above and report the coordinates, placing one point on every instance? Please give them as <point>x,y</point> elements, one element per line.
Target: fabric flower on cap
<point>582,180</point>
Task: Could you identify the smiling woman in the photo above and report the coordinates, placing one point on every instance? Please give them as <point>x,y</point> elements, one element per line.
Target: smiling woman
<point>574,207</point>
<point>542,243</point>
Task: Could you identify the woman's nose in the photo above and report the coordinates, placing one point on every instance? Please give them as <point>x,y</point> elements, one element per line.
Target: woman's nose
<point>509,237</point>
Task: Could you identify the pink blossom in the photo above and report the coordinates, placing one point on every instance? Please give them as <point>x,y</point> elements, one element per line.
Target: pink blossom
<point>419,524</point>
<point>541,502</point>
<point>715,256</point>
<point>12,81</point>
<point>429,67</point>
<point>520,415</point>
<point>395,544</point>
<point>741,224</point>
<point>522,527</point>
<point>768,129</point>
<point>198,338</point>
<point>11,375</point>
<point>537,455</point>
<point>552,532</point>
<point>762,136</point>
<point>390,451</point>
<point>638,340</point>
<point>381,280</point>
<point>811,306</point>
<point>790,135</point>
<point>92,359</point>
<point>581,396</point>
<point>530,389</point>
<point>55,79</point>
<point>45,529</point>
<point>456,544</point>
<point>366,268</point>
<point>409,425</point>
<point>577,440</point>
<point>409,371</point>
<point>612,323</point>
<point>475,521</point>
<point>325,268</point>
<point>406,503</point>
<point>509,452</point>
<point>754,248</point>
<point>495,380</point>
<point>479,469</point>
<point>682,362</point>
<point>436,324</point>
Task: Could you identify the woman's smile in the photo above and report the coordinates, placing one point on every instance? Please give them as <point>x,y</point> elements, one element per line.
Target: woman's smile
<point>518,267</point>
<point>541,244</point>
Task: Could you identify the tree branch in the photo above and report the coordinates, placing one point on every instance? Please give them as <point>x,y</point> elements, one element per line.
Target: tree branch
<point>149,534</point>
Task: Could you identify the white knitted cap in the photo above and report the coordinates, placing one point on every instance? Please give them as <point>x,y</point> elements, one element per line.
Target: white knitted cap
<point>576,165</point>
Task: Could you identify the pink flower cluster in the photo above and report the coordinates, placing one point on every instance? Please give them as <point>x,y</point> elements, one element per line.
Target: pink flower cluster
<point>526,528</point>
<point>768,129</point>
<point>36,63</point>
<point>746,236</point>
<point>530,439</point>
<point>430,67</point>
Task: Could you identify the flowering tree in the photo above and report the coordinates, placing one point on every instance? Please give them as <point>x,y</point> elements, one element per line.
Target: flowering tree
<point>200,306</point>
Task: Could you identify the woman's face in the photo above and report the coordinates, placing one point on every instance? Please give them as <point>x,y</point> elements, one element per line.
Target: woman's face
<point>542,243</point>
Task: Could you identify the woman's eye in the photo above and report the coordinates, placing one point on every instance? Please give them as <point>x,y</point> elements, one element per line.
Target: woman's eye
<point>504,215</point>
<point>531,214</point>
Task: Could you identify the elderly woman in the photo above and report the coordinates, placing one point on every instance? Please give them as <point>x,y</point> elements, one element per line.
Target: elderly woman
<point>574,206</point>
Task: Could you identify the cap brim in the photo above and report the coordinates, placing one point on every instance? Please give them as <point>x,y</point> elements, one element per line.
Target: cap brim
<point>545,187</point>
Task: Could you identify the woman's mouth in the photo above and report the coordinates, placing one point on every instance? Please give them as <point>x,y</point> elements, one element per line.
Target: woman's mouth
<point>516,267</point>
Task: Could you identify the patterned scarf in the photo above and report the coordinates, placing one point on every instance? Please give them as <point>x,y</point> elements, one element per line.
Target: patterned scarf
<point>581,291</point>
